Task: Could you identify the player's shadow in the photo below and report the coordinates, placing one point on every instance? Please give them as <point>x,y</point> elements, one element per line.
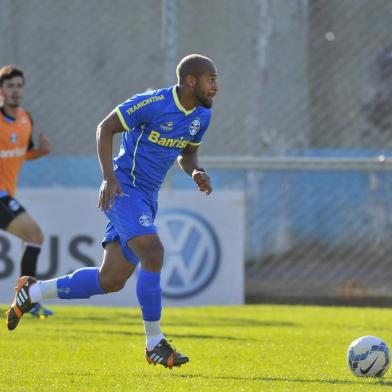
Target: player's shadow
<point>116,319</point>
<point>231,322</point>
<point>130,333</point>
<point>135,319</point>
<point>285,380</point>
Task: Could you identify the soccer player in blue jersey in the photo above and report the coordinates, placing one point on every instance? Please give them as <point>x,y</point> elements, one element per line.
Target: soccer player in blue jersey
<point>158,128</point>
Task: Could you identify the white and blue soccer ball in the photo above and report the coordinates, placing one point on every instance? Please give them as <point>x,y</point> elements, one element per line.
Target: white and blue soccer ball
<point>368,356</point>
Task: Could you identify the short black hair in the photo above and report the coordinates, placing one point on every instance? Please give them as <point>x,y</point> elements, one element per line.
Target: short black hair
<point>193,64</point>
<point>10,71</point>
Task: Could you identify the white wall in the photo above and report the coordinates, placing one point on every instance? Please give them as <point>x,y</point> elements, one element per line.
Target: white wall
<point>203,239</point>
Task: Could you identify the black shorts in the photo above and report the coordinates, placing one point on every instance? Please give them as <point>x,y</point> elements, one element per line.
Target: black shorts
<point>9,210</point>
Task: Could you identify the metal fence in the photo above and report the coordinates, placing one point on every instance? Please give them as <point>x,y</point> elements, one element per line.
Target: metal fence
<point>294,74</point>
<point>302,82</point>
<point>318,229</point>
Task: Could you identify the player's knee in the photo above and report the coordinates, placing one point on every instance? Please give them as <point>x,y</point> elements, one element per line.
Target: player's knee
<point>111,283</point>
<point>35,235</point>
<point>153,259</point>
<point>113,286</point>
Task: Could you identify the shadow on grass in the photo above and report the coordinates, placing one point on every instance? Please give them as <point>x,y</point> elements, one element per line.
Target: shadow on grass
<point>285,379</point>
<point>250,379</point>
<point>111,319</point>
<point>132,319</point>
<point>234,322</point>
<point>381,329</point>
<point>170,336</point>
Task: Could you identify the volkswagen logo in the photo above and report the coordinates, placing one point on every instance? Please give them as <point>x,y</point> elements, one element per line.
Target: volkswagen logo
<point>192,253</point>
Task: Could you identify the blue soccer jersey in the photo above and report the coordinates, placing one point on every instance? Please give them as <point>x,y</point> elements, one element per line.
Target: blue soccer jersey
<point>157,128</point>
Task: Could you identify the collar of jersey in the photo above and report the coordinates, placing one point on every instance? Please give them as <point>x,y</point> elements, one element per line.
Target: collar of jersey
<point>178,104</point>
<point>7,118</point>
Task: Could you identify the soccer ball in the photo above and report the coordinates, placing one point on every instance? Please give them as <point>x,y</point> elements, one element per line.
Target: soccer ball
<point>368,356</point>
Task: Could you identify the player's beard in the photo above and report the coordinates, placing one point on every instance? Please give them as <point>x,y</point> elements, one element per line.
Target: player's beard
<point>207,103</point>
<point>203,100</point>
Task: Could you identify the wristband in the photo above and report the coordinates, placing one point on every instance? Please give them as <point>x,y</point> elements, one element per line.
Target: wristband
<point>200,169</point>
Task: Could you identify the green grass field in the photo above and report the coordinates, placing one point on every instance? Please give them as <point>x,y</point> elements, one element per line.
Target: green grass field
<point>245,348</point>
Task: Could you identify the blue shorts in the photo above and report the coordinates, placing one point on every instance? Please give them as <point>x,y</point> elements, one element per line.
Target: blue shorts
<point>132,215</point>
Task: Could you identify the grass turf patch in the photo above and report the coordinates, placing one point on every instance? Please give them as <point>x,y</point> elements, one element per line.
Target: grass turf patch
<point>244,348</point>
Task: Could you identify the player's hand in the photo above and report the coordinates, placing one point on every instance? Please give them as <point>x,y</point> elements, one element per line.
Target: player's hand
<point>202,181</point>
<point>43,144</point>
<point>110,188</point>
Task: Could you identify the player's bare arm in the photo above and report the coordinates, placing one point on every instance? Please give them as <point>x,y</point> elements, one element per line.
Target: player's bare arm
<point>42,150</point>
<point>189,162</point>
<point>110,186</point>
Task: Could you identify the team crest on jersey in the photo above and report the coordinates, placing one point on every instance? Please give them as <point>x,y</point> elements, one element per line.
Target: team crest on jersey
<point>24,120</point>
<point>14,138</point>
<point>194,127</point>
<point>145,220</point>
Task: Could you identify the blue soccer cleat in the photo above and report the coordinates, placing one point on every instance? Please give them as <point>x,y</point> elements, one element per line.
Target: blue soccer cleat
<point>40,312</point>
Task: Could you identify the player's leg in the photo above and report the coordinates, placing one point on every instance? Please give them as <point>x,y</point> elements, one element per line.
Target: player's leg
<point>25,227</point>
<point>83,283</point>
<point>148,248</point>
<point>132,217</point>
<point>115,269</point>
<point>15,220</point>
<point>149,251</point>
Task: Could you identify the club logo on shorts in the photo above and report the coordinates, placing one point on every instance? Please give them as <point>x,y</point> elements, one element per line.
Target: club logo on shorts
<point>13,205</point>
<point>194,127</point>
<point>192,253</point>
<point>145,220</point>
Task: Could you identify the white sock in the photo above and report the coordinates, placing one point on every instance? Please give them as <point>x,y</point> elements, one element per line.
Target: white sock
<point>153,333</point>
<point>43,289</point>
